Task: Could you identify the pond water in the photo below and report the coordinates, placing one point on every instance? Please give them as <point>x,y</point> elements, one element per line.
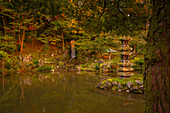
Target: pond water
<point>63,93</point>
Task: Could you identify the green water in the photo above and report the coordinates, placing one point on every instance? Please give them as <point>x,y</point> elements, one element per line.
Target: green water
<point>63,93</point>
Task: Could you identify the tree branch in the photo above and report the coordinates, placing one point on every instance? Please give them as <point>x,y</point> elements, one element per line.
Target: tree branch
<point>136,53</point>
<point>123,16</point>
<point>104,6</point>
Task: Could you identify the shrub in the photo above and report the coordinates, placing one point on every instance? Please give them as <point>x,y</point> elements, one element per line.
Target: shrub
<point>36,63</point>
<point>44,68</point>
<point>61,63</point>
<point>139,62</point>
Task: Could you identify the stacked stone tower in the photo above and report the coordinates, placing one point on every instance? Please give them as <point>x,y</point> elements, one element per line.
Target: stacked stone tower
<point>124,69</point>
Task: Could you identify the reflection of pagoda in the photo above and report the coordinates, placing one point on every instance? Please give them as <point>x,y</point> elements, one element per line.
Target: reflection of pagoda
<point>124,69</point>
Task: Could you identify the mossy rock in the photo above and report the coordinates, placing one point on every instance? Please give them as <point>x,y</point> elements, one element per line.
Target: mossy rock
<point>122,84</point>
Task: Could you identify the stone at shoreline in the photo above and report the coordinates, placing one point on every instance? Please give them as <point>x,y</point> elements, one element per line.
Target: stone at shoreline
<point>119,85</point>
<point>98,85</point>
<point>119,90</point>
<point>107,82</point>
<point>103,87</point>
<point>109,85</point>
<point>40,62</point>
<point>141,88</point>
<point>135,88</point>
<point>79,69</point>
<point>138,82</point>
<point>114,83</point>
<point>129,85</point>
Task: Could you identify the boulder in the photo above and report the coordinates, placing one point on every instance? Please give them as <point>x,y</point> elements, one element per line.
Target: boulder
<point>119,85</point>
<point>129,85</point>
<point>141,88</point>
<point>109,85</point>
<point>98,85</point>
<point>114,83</point>
<point>103,87</point>
<point>119,90</point>
<point>135,88</point>
<point>79,69</point>
<point>40,62</point>
<point>138,82</point>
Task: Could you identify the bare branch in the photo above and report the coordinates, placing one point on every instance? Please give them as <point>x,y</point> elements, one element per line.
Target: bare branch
<point>104,6</point>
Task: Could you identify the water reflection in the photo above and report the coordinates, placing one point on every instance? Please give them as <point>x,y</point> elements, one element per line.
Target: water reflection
<point>64,93</point>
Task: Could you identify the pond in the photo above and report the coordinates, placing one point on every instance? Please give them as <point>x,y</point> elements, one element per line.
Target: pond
<point>64,92</point>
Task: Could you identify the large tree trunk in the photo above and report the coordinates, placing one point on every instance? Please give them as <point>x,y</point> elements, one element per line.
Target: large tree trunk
<point>156,75</point>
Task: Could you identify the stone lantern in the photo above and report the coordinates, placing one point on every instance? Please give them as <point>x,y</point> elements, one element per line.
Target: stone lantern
<point>124,69</point>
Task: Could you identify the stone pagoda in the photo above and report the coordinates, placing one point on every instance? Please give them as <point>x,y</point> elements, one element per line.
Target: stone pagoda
<point>124,69</point>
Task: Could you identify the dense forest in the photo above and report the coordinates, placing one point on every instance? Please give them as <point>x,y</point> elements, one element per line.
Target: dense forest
<point>38,32</point>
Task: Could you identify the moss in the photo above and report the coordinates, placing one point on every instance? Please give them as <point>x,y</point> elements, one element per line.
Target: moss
<point>119,80</point>
<point>148,92</point>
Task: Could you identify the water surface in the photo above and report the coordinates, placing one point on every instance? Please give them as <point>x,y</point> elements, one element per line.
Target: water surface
<point>63,93</point>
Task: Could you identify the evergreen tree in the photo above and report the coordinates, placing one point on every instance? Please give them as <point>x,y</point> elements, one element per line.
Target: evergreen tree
<point>156,69</point>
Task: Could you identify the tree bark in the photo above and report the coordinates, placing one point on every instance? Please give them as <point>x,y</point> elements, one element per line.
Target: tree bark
<point>156,76</point>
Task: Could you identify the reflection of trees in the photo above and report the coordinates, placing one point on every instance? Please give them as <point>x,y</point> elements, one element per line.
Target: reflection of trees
<point>9,93</point>
<point>23,82</point>
<point>42,77</point>
<point>3,81</point>
<point>22,94</point>
<point>13,89</point>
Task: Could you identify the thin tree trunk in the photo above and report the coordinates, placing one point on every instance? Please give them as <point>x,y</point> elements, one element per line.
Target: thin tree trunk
<point>3,56</point>
<point>156,72</point>
<point>19,36</point>
<point>63,41</point>
<point>4,24</point>
<point>109,56</point>
<point>14,29</point>
<point>33,43</point>
<point>21,40</point>
<point>3,72</point>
